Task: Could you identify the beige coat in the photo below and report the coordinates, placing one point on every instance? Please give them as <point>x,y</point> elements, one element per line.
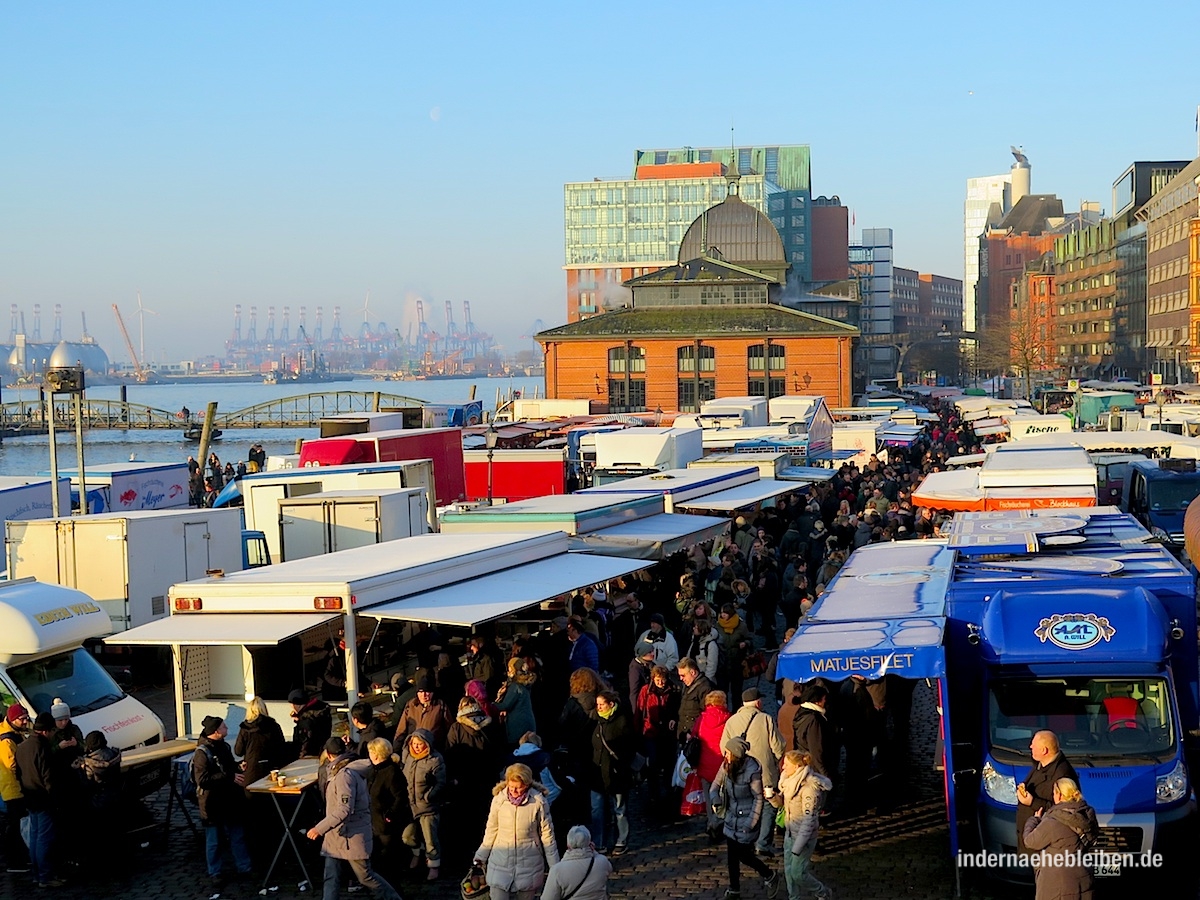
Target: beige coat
<point>517,839</point>
<point>569,874</point>
<point>766,746</point>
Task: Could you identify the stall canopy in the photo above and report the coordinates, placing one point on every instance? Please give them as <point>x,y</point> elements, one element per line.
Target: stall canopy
<point>741,496</point>
<point>240,629</point>
<point>490,597</point>
<point>655,537</point>
<point>910,648</point>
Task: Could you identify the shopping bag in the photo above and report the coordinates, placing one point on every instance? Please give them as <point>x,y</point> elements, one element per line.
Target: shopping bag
<point>693,797</point>
<point>682,770</point>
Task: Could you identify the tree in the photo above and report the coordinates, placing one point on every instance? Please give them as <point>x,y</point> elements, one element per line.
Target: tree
<point>1022,345</point>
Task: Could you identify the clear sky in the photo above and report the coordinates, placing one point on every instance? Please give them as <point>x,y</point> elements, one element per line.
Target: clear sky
<point>307,153</point>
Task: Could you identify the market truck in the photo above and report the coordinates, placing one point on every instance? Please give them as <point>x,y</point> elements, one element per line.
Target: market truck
<point>340,520</point>
<point>260,494</point>
<point>264,632</point>
<point>1157,492</point>
<point>442,445</point>
<point>43,628</point>
<point>516,474</point>
<point>130,486</point>
<point>1070,621</point>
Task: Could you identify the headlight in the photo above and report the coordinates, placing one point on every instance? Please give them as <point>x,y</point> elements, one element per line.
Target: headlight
<point>1001,788</point>
<point>1172,786</point>
<point>1157,532</point>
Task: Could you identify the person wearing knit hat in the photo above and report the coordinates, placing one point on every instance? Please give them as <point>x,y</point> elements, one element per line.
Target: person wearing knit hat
<point>737,799</point>
<point>221,799</point>
<point>765,746</point>
<point>37,775</point>
<point>66,737</point>
<point>423,711</point>
<point>12,732</point>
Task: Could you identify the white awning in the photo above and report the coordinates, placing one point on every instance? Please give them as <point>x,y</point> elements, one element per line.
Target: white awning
<point>503,593</point>
<point>741,496</point>
<point>240,629</point>
<point>654,537</point>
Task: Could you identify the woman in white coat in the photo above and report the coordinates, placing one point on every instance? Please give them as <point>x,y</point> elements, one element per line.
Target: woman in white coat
<point>582,874</point>
<point>518,842</point>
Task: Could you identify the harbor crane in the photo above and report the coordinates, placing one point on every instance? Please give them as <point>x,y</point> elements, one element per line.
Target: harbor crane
<point>138,372</point>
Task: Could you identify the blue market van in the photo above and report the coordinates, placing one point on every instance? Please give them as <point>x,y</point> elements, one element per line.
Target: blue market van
<point>1070,621</point>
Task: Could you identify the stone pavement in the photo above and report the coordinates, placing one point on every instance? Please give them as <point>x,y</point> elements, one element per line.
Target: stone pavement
<point>903,853</point>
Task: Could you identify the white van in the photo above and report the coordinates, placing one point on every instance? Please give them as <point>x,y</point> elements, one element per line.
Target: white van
<point>42,631</point>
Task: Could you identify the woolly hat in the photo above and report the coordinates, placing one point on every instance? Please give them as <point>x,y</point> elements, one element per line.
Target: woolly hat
<point>425,684</point>
<point>751,695</point>
<point>59,709</point>
<point>15,712</point>
<point>298,697</point>
<point>737,746</point>
<point>335,747</point>
<point>43,722</point>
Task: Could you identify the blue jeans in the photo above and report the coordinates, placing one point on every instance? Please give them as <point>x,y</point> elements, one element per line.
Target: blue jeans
<point>235,836</point>
<point>41,844</point>
<point>766,829</point>
<point>602,805</point>
<point>797,871</point>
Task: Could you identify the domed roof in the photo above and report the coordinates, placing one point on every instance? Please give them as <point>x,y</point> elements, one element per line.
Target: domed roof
<point>37,357</point>
<point>737,231</point>
<point>90,355</point>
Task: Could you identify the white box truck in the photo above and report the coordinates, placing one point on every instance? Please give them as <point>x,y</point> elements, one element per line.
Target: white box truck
<point>131,486</point>
<point>126,562</point>
<point>753,410</point>
<point>632,452</point>
<point>31,498</point>
<point>338,520</point>
<point>42,631</point>
<point>261,493</point>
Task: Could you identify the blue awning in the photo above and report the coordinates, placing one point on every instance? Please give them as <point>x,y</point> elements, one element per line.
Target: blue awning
<point>910,648</point>
<point>894,580</point>
<point>834,454</point>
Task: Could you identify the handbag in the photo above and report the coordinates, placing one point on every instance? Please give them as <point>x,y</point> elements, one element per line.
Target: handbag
<point>474,885</point>
<point>754,664</point>
<point>692,748</point>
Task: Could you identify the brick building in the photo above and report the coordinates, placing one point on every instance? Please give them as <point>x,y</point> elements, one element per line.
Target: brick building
<point>1085,270</point>
<point>1172,266</point>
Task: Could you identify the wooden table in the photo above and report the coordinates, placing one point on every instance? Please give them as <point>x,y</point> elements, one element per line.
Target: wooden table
<point>299,777</point>
<point>152,753</point>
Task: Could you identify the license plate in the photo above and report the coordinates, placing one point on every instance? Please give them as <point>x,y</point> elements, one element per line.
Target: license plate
<point>1106,871</point>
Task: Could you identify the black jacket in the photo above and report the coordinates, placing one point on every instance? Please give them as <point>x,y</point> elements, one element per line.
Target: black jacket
<point>1040,783</point>
<point>314,725</point>
<point>691,703</point>
<point>262,748</point>
<point>33,771</point>
<point>389,797</point>
<point>613,744</point>
<point>376,728</point>
<point>221,797</point>
<point>816,737</point>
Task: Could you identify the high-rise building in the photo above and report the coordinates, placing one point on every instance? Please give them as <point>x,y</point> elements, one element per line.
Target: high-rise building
<point>617,229</point>
<point>989,199</point>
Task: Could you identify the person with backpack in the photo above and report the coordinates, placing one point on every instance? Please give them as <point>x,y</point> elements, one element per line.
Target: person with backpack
<point>222,800</point>
<point>345,832</point>
<point>260,742</point>
<point>707,649</point>
<point>1064,831</point>
<point>765,746</point>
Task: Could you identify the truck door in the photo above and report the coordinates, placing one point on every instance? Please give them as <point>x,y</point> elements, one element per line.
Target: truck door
<point>196,559</point>
<point>303,531</point>
<point>97,555</point>
<point>353,525</point>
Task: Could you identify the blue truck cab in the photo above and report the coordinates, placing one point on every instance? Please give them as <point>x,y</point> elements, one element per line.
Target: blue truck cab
<point>1157,492</point>
<point>1072,621</point>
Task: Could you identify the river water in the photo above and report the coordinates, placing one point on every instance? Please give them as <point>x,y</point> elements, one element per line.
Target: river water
<point>31,455</point>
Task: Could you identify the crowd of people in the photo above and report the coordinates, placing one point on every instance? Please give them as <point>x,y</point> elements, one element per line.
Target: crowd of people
<point>206,481</point>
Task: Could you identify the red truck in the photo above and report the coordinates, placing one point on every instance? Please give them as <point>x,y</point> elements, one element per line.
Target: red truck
<point>442,445</point>
<point>517,474</point>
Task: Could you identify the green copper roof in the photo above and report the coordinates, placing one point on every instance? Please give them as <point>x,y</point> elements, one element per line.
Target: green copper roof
<point>703,269</point>
<point>698,321</point>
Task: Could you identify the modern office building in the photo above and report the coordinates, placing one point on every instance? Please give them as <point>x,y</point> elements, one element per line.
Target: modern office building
<point>989,200</point>
<point>618,229</point>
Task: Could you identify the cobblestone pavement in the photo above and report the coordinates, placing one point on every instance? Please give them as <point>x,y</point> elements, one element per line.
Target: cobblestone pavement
<point>903,853</point>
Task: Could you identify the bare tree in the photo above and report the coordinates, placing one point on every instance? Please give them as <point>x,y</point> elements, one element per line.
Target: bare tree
<point>1021,345</point>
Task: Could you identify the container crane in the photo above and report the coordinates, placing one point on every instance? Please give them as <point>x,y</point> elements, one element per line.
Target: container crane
<point>138,372</point>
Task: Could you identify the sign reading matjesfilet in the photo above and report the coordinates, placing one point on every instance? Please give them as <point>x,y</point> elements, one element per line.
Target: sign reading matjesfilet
<point>1074,631</point>
<point>65,612</point>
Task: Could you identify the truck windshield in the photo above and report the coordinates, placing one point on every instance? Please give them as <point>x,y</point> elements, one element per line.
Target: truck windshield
<point>1099,721</point>
<point>74,676</point>
<point>1174,493</point>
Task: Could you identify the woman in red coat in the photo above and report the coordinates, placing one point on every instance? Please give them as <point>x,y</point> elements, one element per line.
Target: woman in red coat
<point>708,729</point>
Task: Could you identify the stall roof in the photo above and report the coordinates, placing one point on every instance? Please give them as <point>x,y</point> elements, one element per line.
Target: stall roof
<point>241,629</point>
<point>806,474</point>
<point>911,648</point>
<point>742,495</point>
<point>571,513</point>
<point>503,593</point>
<point>656,537</point>
<point>679,484</point>
<point>894,580</point>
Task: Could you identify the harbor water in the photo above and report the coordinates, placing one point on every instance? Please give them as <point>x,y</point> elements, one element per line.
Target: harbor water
<point>31,455</point>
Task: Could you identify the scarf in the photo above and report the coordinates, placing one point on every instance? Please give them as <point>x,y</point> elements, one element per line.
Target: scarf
<point>517,799</point>
<point>415,755</point>
<point>729,626</point>
<point>606,713</point>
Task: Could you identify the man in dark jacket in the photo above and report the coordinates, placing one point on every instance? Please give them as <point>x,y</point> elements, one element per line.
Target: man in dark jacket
<point>1036,792</point>
<point>691,702</point>
<point>814,734</point>
<point>389,803</point>
<point>485,663</point>
<point>345,832</point>
<point>314,724</point>
<point>222,800</point>
<point>34,772</point>
<point>368,725</point>
<point>423,711</point>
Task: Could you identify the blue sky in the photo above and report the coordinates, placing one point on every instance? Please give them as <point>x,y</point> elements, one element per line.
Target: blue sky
<point>302,153</point>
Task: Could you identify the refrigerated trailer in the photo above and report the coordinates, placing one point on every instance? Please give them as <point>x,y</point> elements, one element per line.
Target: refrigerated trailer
<point>339,520</point>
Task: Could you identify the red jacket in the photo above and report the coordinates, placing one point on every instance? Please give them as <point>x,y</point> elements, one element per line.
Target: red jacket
<point>657,709</point>
<point>708,728</point>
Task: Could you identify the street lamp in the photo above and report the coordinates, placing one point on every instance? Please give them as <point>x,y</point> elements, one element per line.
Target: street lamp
<point>489,439</point>
<point>1161,400</point>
